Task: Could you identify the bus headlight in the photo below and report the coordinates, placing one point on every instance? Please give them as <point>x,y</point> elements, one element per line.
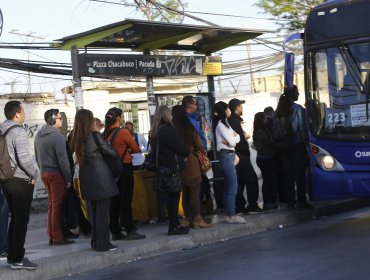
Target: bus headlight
<point>324,160</point>
<point>327,162</point>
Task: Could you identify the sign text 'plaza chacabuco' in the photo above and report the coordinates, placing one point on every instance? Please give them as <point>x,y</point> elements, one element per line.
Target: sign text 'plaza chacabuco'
<point>104,65</point>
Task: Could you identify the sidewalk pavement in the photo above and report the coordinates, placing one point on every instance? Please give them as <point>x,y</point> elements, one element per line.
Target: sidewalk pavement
<point>60,261</point>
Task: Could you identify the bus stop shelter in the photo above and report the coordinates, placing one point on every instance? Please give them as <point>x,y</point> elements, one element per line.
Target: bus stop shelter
<point>146,38</point>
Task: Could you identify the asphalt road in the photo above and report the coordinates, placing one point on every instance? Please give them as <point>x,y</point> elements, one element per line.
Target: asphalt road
<point>336,247</point>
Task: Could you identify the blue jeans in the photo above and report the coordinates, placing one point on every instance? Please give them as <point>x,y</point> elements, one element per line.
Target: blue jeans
<point>4,214</point>
<point>230,181</point>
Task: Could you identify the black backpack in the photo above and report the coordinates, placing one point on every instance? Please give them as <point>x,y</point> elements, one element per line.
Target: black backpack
<point>6,170</point>
<point>283,134</point>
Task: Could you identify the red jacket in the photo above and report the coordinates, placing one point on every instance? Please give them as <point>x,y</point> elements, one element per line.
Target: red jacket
<point>122,140</point>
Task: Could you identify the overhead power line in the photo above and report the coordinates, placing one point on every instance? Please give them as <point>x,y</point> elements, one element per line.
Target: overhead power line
<point>196,12</point>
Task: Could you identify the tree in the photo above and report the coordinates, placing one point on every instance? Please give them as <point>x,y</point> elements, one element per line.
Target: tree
<point>291,15</point>
<point>159,10</point>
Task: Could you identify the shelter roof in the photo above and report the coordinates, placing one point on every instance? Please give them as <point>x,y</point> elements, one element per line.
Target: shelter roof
<point>140,35</point>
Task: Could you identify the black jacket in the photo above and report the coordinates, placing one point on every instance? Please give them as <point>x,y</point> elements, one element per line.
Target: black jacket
<point>263,143</point>
<point>96,178</point>
<point>242,148</point>
<point>169,144</point>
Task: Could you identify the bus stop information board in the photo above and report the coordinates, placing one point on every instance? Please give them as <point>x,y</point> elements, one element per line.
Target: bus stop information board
<point>98,65</point>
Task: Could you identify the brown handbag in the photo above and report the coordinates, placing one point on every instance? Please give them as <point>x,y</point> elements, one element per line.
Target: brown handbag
<point>204,162</point>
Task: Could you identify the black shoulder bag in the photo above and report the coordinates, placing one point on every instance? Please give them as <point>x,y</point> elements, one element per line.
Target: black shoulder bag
<point>168,180</point>
<point>149,161</point>
<point>115,164</point>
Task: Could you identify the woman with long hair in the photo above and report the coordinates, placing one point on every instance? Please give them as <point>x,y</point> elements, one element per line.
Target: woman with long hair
<point>265,159</point>
<point>96,179</point>
<point>171,151</point>
<point>227,139</point>
<point>121,205</point>
<point>191,175</point>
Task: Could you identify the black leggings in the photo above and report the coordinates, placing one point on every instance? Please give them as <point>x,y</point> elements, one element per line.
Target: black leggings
<point>172,204</point>
<point>121,208</point>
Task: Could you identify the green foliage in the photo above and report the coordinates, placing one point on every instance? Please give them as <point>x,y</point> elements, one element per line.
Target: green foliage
<point>290,14</point>
<point>162,14</point>
<point>160,10</point>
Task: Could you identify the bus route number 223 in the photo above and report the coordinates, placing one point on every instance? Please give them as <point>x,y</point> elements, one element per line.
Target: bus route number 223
<point>336,117</point>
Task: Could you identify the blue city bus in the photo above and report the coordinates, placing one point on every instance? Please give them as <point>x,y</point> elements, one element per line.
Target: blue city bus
<point>336,44</point>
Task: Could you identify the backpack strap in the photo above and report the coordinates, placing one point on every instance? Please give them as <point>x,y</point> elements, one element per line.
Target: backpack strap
<point>15,152</point>
<point>10,128</point>
<point>97,143</point>
<point>114,136</point>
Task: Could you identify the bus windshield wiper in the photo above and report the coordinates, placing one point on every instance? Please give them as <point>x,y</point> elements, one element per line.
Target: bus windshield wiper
<point>351,65</point>
<point>356,74</point>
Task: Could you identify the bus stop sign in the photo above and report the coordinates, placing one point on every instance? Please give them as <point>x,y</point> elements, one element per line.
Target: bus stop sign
<point>110,65</point>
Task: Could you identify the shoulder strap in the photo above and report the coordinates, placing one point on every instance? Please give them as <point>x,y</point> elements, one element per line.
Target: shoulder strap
<point>20,165</point>
<point>124,153</point>
<point>136,138</point>
<point>97,143</point>
<point>147,145</point>
<point>10,128</point>
<point>114,135</point>
<point>16,154</point>
<point>157,151</point>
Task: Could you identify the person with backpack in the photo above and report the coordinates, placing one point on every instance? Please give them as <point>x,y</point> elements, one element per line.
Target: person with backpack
<point>92,153</point>
<point>18,186</point>
<point>265,159</point>
<point>289,133</point>
<point>121,204</point>
<point>4,215</point>
<point>278,161</point>
<point>137,158</point>
<point>52,159</point>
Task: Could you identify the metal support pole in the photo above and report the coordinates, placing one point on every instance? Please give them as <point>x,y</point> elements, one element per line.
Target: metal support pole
<point>150,92</point>
<point>150,97</point>
<point>79,100</point>
<point>212,92</point>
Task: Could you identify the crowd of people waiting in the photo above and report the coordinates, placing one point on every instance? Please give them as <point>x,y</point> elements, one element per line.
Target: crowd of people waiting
<point>80,169</point>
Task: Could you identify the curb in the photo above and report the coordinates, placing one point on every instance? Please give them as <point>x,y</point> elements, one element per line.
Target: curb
<point>85,260</point>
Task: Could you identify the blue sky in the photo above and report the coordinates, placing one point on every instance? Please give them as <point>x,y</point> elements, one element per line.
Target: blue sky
<point>56,19</point>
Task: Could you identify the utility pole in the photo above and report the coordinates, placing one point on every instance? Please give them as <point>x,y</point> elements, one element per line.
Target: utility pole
<point>250,67</point>
<point>30,37</point>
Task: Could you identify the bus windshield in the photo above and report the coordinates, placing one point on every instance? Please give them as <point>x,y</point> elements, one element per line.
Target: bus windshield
<point>338,99</point>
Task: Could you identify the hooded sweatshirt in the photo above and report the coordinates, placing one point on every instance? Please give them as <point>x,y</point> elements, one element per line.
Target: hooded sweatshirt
<point>17,138</point>
<point>51,152</point>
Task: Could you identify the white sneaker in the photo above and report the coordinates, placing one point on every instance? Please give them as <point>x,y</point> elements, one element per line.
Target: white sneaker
<point>235,220</point>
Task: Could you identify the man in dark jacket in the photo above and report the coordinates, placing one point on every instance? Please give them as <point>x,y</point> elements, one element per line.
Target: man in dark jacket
<point>52,159</point>
<point>246,175</point>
